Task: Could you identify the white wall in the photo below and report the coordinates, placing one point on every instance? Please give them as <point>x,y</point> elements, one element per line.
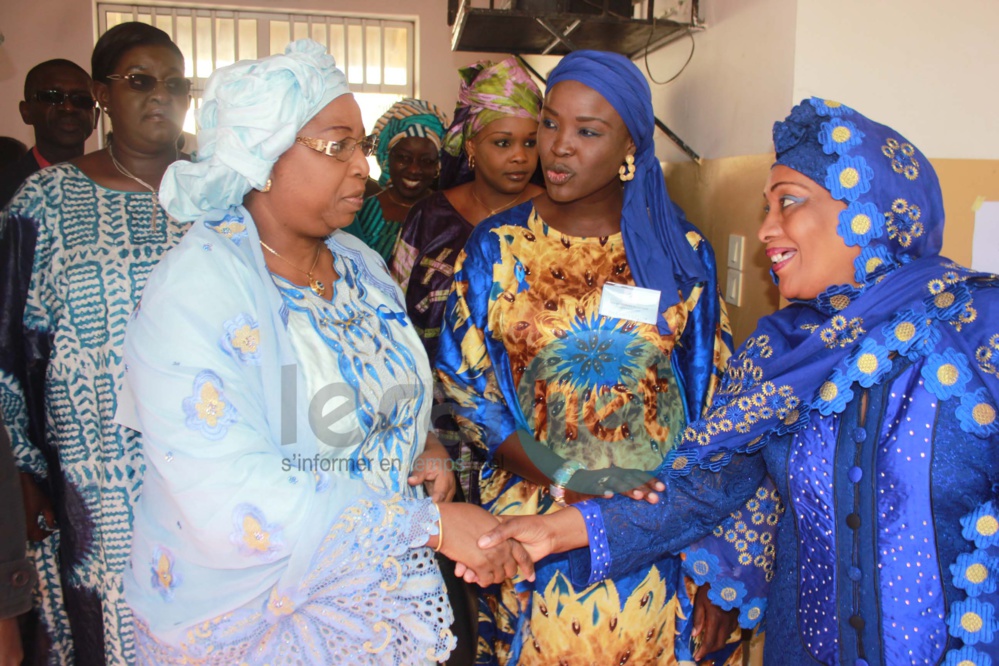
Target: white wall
<point>738,82</point>
<point>38,30</point>
<point>930,68</point>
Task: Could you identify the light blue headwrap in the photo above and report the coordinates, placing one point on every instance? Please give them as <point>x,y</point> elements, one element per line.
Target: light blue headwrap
<point>251,113</point>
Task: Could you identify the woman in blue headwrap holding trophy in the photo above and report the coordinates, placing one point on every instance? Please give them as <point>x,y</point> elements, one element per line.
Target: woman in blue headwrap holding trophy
<point>285,402</point>
<point>583,333</point>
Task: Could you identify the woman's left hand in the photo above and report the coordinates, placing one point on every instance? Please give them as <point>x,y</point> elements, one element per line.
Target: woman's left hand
<point>712,626</point>
<point>634,483</point>
<point>435,470</point>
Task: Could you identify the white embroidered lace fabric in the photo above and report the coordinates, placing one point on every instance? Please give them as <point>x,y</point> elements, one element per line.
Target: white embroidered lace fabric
<point>373,596</point>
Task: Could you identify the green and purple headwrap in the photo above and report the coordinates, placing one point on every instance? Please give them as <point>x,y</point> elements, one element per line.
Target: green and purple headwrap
<point>490,91</point>
<point>407,117</point>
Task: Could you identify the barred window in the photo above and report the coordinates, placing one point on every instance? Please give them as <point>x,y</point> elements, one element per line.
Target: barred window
<point>377,54</point>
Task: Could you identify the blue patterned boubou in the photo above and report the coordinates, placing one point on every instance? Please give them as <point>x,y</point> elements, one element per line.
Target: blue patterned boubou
<point>76,258</point>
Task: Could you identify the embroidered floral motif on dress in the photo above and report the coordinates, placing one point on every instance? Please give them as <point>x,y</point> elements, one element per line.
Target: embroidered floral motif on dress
<point>242,339</point>
<point>207,409</point>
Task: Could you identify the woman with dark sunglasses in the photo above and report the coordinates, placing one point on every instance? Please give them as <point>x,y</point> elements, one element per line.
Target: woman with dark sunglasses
<point>293,489</point>
<point>85,235</point>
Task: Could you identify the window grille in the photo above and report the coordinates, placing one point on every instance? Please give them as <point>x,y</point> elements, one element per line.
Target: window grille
<point>376,54</point>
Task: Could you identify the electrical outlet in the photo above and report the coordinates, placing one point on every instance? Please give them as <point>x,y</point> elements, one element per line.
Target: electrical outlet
<point>733,287</point>
<point>736,244</point>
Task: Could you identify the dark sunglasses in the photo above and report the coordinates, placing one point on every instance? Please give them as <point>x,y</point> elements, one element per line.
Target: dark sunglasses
<point>58,98</point>
<point>144,83</point>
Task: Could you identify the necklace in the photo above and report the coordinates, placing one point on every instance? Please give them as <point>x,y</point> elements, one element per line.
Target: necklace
<point>128,174</point>
<point>397,202</point>
<point>495,210</point>
<point>317,286</point>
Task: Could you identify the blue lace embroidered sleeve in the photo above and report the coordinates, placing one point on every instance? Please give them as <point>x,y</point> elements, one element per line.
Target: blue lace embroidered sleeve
<point>688,510</point>
<point>597,537</point>
<point>737,558</point>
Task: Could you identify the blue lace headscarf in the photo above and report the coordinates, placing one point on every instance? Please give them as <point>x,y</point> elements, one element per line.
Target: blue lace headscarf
<point>652,226</point>
<point>910,302</point>
<point>896,215</point>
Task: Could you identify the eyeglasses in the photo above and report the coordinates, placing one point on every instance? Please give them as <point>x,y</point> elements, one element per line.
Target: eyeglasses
<point>406,160</point>
<point>144,83</point>
<point>342,150</point>
<point>58,98</point>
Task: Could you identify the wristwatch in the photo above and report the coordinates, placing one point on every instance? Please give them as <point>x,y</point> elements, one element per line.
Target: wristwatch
<point>560,478</point>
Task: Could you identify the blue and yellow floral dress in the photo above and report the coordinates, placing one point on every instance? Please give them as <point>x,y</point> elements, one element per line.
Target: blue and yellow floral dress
<point>524,348</point>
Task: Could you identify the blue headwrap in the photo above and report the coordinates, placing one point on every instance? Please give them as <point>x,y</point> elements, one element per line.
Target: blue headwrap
<point>652,226</point>
<point>897,217</point>
<point>251,112</point>
<point>911,302</point>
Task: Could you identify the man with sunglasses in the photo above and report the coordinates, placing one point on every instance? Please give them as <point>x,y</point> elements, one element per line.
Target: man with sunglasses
<point>59,104</point>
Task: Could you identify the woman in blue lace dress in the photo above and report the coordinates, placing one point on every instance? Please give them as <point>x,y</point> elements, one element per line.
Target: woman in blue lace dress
<point>871,399</point>
<point>284,400</point>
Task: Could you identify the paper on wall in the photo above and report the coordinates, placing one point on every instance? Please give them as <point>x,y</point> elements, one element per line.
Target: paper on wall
<point>985,242</point>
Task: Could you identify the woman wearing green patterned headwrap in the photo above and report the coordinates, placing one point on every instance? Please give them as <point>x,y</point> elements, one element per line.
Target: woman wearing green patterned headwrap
<point>491,143</point>
<point>408,153</point>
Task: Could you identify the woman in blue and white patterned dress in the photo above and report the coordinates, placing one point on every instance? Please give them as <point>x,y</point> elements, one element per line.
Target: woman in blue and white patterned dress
<point>79,240</point>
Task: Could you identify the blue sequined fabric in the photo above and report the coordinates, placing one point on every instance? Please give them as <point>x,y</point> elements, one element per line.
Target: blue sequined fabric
<point>875,409</point>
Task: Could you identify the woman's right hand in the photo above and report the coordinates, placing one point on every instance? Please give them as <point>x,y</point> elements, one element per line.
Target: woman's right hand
<point>463,524</point>
<point>541,535</point>
<point>36,503</point>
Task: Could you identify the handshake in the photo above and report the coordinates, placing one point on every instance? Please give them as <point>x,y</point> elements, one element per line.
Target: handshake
<point>488,549</point>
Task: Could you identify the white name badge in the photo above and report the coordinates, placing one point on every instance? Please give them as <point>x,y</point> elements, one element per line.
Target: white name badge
<point>632,303</point>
